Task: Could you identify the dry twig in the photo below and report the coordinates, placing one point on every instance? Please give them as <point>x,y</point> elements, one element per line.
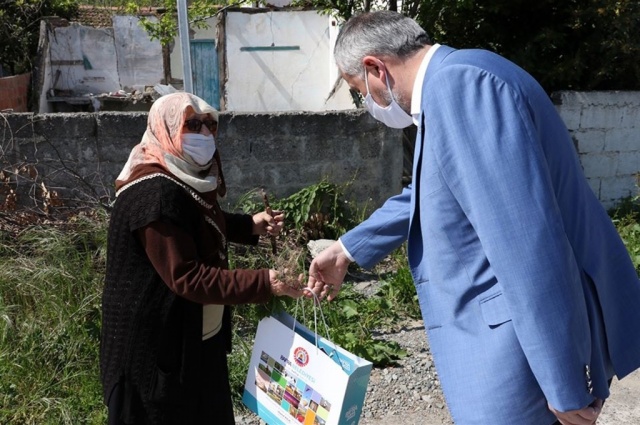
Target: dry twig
<point>269,211</point>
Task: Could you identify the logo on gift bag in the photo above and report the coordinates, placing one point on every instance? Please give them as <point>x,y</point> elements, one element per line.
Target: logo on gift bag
<point>351,412</point>
<point>301,356</point>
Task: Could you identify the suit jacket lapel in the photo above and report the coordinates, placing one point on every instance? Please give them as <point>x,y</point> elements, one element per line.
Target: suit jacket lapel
<point>417,165</point>
<point>434,65</point>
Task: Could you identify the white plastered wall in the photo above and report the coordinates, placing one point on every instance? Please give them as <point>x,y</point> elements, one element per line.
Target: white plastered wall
<point>299,77</point>
<point>83,61</point>
<point>139,58</point>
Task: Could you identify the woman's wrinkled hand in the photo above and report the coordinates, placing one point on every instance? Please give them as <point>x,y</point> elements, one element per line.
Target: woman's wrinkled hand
<point>268,222</point>
<point>281,288</point>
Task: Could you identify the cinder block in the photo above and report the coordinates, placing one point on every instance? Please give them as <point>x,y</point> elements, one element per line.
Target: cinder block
<point>65,125</point>
<point>120,125</point>
<point>615,189</point>
<point>270,149</point>
<point>317,123</point>
<point>623,139</point>
<point>590,141</point>
<point>600,117</point>
<point>319,149</point>
<point>631,117</point>
<point>570,115</point>
<point>628,163</point>
<point>18,125</point>
<point>599,165</point>
<point>314,172</point>
<point>115,150</point>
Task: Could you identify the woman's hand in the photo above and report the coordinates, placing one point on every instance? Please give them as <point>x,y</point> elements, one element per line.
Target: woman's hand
<point>290,289</point>
<point>270,222</point>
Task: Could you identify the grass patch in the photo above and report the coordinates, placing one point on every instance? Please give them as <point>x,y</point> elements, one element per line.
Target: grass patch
<point>50,285</point>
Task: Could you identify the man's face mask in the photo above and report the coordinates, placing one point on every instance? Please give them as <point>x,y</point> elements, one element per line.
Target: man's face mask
<point>393,115</point>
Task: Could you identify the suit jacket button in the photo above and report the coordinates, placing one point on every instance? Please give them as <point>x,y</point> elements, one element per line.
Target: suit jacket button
<point>587,373</point>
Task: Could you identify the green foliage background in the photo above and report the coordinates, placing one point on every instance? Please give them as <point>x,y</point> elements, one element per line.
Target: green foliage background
<point>567,45</point>
<point>20,29</point>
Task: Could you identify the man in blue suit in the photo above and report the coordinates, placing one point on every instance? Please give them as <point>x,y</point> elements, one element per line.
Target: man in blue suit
<point>528,295</point>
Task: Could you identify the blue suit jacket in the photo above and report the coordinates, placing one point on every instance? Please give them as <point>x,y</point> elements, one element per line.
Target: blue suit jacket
<point>527,292</point>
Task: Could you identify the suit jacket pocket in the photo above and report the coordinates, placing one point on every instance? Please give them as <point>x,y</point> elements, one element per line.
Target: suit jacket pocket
<point>494,310</point>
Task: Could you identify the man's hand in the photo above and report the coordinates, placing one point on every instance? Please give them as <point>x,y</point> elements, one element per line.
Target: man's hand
<point>585,416</point>
<point>327,271</point>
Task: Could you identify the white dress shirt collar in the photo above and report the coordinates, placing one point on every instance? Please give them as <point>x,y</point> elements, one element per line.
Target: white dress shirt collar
<point>416,96</point>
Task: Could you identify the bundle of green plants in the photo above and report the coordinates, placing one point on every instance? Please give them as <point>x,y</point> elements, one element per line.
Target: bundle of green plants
<point>318,211</point>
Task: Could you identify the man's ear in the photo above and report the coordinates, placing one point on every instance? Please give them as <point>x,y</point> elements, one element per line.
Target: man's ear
<point>373,65</point>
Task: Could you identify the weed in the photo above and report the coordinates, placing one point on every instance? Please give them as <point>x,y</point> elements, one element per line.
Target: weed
<point>626,217</point>
<point>319,211</point>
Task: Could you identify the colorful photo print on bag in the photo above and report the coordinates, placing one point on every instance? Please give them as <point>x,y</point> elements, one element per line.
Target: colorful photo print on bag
<point>290,391</point>
<point>297,377</point>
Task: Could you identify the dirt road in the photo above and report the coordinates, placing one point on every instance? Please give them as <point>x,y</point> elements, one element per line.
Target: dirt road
<point>623,407</point>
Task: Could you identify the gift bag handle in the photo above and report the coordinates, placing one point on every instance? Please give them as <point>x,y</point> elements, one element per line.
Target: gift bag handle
<point>316,307</point>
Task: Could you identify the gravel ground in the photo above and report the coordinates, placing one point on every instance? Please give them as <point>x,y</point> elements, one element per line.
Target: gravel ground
<point>409,393</point>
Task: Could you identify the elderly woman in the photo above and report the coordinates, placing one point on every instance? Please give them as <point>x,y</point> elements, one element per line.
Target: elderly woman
<point>165,330</point>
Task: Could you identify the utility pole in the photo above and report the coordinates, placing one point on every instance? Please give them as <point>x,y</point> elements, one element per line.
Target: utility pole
<point>185,45</point>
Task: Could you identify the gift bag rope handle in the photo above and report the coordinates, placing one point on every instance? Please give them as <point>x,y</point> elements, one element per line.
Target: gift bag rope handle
<point>316,307</point>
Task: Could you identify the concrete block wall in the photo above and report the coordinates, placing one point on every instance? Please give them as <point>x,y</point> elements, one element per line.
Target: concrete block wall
<point>79,155</point>
<point>14,93</point>
<point>605,127</point>
<point>76,155</point>
<point>285,152</point>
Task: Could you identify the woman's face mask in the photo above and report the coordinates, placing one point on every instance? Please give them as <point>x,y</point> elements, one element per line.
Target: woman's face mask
<point>199,147</point>
<point>393,115</point>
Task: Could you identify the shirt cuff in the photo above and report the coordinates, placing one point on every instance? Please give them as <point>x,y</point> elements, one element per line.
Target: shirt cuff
<point>346,251</point>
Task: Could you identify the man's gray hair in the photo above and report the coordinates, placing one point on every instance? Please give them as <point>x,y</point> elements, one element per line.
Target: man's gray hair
<point>382,33</point>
